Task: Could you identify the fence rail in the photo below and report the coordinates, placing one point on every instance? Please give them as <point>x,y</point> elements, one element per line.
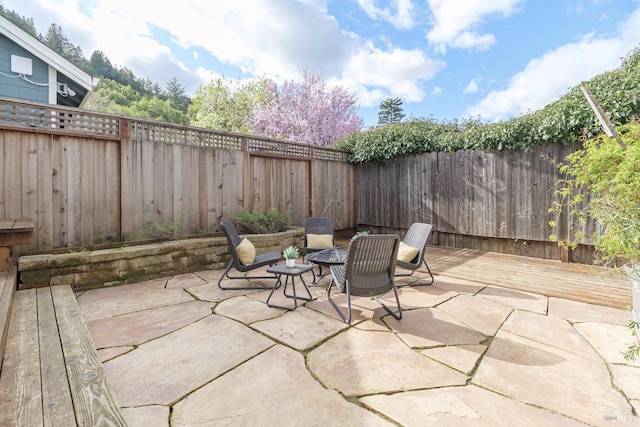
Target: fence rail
<point>67,119</point>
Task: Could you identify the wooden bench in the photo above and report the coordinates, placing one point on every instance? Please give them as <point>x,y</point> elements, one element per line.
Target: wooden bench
<point>51,374</point>
<point>13,232</point>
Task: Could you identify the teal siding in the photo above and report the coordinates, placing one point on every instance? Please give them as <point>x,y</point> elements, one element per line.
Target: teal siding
<point>16,87</point>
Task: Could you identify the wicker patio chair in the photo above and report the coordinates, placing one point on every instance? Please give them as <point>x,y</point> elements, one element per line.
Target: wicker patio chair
<point>417,237</point>
<point>368,271</point>
<point>270,258</point>
<point>321,231</point>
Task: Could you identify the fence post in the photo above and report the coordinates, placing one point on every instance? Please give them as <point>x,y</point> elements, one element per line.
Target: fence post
<point>124,128</point>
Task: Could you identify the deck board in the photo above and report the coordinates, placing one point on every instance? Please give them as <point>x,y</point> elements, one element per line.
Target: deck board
<point>20,395</point>
<point>578,282</point>
<point>57,406</point>
<point>93,399</point>
<point>547,277</point>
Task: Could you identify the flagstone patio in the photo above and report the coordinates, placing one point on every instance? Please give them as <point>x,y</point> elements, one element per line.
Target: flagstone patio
<point>179,351</point>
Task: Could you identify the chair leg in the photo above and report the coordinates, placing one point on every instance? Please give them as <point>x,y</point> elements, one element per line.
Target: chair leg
<point>397,315</point>
<point>429,282</point>
<point>346,318</point>
<point>241,288</point>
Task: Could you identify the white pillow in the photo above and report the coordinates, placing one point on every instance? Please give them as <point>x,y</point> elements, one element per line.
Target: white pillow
<point>246,252</point>
<point>319,241</point>
<point>406,253</point>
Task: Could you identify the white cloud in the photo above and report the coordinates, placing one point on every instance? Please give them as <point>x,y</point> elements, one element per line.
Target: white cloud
<point>547,78</point>
<point>400,15</point>
<point>376,74</point>
<point>455,22</point>
<point>472,87</point>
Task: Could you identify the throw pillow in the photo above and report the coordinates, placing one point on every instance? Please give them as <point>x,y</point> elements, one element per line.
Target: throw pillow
<point>319,241</point>
<point>246,252</point>
<point>406,253</point>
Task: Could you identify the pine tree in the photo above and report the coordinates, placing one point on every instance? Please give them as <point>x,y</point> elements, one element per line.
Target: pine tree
<point>390,111</point>
<point>177,96</point>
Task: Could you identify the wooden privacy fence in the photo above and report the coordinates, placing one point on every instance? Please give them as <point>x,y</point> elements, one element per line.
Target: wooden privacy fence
<point>87,178</point>
<point>491,200</point>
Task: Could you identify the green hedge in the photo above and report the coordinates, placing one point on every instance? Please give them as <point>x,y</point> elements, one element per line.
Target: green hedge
<point>566,120</point>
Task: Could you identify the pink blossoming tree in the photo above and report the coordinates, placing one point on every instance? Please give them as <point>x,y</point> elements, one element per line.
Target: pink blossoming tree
<point>306,111</point>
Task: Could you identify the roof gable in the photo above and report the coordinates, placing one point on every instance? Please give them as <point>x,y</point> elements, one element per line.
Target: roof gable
<point>46,54</point>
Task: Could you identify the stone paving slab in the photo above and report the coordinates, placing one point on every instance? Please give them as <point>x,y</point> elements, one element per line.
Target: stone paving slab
<point>142,326</point>
<point>246,310</point>
<point>516,299</point>
<point>147,416</point>
<point>110,302</point>
<point>164,370</point>
<point>273,389</point>
<point>211,292</point>
<point>368,362</point>
<point>113,352</point>
<point>627,379</point>
<point>610,341</point>
<point>577,311</point>
<point>550,330</point>
<point>457,285</point>
<point>462,406</point>
<point>301,329</point>
<point>432,327</point>
<point>565,383</point>
<point>482,315</point>
<point>463,358</point>
<point>187,280</point>
<point>422,296</point>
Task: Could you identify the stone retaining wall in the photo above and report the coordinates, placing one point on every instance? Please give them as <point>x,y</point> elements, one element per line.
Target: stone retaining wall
<point>131,264</point>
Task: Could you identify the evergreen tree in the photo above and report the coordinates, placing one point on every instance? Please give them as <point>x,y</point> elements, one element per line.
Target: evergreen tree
<point>177,96</point>
<point>102,66</point>
<point>25,23</point>
<point>58,42</point>
<point>390,111</point>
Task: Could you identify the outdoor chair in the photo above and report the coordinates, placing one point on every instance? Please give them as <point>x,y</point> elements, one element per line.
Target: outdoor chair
<point>244,251</point>
<point>367,272</point>
<point>416,238</point>
<point>318,235</point>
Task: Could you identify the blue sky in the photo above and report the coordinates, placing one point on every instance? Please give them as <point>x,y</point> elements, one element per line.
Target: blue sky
<point>447,59</point>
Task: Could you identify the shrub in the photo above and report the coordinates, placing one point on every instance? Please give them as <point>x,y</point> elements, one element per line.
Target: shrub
<point>566,120</point>
<point>259,222</point>
<point>163,230</point>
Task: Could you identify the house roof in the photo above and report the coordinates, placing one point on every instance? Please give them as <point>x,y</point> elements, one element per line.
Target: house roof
<point>46,54</point>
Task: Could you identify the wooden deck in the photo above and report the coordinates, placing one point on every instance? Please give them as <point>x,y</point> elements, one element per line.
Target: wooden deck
<point>577,282</point>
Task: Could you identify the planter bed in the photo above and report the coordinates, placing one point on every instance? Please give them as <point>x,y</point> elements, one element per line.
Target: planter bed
<point>131,264</point>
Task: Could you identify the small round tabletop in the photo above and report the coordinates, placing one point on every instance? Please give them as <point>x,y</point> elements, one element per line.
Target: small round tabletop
<point>328,257</point>
<point>289,271</point>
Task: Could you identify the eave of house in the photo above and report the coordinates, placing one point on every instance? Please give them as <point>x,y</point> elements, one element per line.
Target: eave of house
<point>46,54</point>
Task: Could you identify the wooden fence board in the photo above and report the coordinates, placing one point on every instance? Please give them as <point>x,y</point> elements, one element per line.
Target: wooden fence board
<point>45,190</point>
<point>30,181</point>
